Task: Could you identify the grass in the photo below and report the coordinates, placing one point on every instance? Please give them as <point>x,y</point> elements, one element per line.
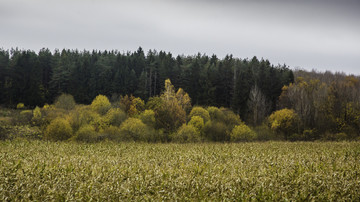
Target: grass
<point>42,171</point>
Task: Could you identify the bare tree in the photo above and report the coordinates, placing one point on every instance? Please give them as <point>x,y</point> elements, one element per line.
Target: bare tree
<point>258,105</point>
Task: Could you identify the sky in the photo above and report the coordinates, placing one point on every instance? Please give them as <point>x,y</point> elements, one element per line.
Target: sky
<point>307,34</point>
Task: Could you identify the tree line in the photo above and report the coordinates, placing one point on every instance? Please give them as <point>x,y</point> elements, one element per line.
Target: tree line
<point>299,105</point>
<point>38,78</point>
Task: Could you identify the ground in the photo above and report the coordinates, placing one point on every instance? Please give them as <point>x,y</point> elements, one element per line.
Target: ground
<point>42,171</point>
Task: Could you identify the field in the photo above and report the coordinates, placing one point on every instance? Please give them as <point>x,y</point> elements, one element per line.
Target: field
<point>42,171</point>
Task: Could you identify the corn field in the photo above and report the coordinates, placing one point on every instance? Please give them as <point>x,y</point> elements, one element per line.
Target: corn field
<point>108,171</point>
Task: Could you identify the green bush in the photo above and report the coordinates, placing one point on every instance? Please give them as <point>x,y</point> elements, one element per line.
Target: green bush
<point>37,117</point>
<point>58,129</point>
<point>134,129</point>
<point>242,133</point>
<point>216,131</point>
<point>50,113</point>
<point>310,134</point>
<point>115,116</point>
<point>216,114</point>
<point>112,133</point>
<point>65,101</point>
<point>20,106</point>
<point>264,133</point>
<point>199,111</point>
<point>148,117</point>
<point>230,118</point>
<point>84,116</point>
<point>37,113</point>
<point>335,137</point>
<point>168,114</point>
<point>24,117</point>
<point>186,133</point>
<point>86,133</point>
<point>101,104</point>
<point>197,122</point>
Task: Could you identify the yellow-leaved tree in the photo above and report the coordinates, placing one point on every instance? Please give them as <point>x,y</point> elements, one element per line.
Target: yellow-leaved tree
<point>101,104</point>
<point>284,121</point>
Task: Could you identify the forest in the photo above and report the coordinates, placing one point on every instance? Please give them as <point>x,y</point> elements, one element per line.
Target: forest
<point>156,96</point>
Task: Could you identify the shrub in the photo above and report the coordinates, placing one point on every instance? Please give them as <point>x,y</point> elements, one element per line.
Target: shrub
<point>197,122</point>
<point>101,104</point>
<point>113,133</point>
<point>37,113</point>
<point>263,132</point>
<point>230,118</point>
<point>86,133</point>
<point>309,134</point>
<point>216,114</point>
<point>52,113</point>
<point>186,133</point>
<point>20,106</point>
<point>148,117</point>
<point>24,117</point>
<point>137,106</point>
<point>65,101</point>
<point>115,116</point>
<point>37,117</point>
<point>242,133</point>
<point>216,131</point>
<point>168,114</point>
<point>134,129</point>
<point>335,137</point>
<point>84,116</point>
<point>58,129</point>
<point>199,111</point>
<point>284,121</point>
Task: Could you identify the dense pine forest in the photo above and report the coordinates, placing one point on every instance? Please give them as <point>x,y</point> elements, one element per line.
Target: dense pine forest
<point>299,105</point>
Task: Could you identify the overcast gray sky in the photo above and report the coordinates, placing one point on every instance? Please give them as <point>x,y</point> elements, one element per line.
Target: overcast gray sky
<point>319,34</point>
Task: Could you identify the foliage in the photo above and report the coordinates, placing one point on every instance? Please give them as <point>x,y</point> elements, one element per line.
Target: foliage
<point>216,131</point>
<point>216,114</point>
<point>35,78</point>
<point>230,118</point>
<point>20,106</point>
<point>269,171</point>
<point>199,111</point>
<point>101,104</point>
<point>115,116</point>
<point>58,129</point>
<point>84,115</point>
<point>186,133</point>
<point>24,117</point>
<point>37,113</point>
<point>134,129</point>
<point>335,137</point>
<point>65,101</point>
<point>197,122</point>
<point>169,114</point>
<point>183,99</point>
<point>242,133</point>
<point>136,107</point>
<point>132,105</point>
<point>264,133</point>
<point>284,121</point>
<point>112,133</point>
<point>86,133</point>
<point>148,117</point>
